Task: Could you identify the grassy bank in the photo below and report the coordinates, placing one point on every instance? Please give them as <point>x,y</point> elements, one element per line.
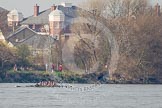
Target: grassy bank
<point>37,76</point>
<point>64,77</point>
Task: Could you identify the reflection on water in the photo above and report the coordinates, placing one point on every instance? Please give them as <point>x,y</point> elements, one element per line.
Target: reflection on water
<point>106,96</point>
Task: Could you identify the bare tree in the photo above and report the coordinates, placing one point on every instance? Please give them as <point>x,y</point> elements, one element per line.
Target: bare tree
<point>84,57</point>
<point>137,29</point>
<point>90,23</point>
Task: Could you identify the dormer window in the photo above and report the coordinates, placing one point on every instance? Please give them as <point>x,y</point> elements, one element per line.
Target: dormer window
<point>57,25</point>
<point>13,17</point>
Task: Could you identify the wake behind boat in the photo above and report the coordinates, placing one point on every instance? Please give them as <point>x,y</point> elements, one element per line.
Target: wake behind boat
<point>43,84</point>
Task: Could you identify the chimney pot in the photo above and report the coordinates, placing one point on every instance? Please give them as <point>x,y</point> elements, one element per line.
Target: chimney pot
<point>157,9</point>
<point>53,7</point>
<point>36,10</point>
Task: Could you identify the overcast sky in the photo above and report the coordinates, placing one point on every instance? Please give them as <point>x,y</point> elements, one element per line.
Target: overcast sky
<point>26,6</point>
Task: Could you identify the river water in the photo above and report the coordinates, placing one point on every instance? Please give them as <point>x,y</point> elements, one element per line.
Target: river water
<point>101,96</point>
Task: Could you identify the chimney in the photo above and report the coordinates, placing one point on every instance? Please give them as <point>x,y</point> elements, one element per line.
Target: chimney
<point>157,9</point>
<point>36,10</point>
<point>53,7</point>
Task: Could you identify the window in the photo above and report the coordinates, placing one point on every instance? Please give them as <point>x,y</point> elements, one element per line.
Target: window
<point>9,23</point>
<point>14,17</point>
<point>56,25</point>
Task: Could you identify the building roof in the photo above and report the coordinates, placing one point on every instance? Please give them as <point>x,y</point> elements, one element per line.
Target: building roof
<point>43,18</point>
<point>2,9</point>
<point>56,13</point>
<point>25,35</point>
<point>14,12</point>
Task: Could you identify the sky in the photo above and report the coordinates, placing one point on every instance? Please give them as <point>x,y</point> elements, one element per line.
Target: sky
<point>26,6</point>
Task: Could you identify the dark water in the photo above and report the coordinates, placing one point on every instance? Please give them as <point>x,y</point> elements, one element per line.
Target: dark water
<point>104,96</point>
